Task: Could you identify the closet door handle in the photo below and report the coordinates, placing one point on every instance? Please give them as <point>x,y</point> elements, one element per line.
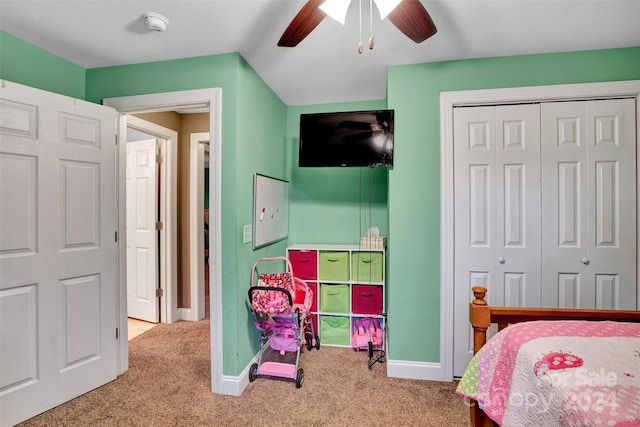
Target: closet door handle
<point>585,261</point>
<point>501,260</point>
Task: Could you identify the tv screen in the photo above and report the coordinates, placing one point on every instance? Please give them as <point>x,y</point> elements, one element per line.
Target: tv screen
<point>353,138</point>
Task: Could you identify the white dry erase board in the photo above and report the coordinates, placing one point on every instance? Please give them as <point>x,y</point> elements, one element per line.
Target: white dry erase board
<point>270,210</point>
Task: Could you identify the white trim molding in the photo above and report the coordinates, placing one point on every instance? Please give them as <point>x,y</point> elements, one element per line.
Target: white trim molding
<point>415,370</point>
<point>234,386</point>
<point>171,101</point>
<point>450,100</point>
<point>196,225</point>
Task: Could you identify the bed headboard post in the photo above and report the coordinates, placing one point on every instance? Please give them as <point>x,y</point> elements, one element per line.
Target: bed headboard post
<point>480,317</point>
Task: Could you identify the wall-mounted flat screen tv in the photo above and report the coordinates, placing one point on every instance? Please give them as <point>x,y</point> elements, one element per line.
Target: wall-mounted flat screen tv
<point>353,138</point>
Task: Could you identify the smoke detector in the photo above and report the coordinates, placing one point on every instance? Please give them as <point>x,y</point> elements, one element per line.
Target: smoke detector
<point>155,21</point>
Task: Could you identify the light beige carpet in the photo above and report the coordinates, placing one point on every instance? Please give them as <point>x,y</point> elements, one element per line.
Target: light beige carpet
<point>168,384</point>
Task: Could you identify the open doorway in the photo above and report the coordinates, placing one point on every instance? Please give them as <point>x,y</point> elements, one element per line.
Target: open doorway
<point>209,99</point>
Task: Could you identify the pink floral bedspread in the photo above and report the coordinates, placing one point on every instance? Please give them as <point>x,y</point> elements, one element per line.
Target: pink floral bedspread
<point>560,373</point>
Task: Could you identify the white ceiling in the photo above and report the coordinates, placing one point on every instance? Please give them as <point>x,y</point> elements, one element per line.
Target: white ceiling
<point>325,67</point>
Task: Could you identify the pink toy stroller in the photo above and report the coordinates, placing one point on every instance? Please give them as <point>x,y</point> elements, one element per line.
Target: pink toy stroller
<point>280,304</point>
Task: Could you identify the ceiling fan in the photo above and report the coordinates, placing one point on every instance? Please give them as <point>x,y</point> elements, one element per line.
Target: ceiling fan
<point>409,16</point>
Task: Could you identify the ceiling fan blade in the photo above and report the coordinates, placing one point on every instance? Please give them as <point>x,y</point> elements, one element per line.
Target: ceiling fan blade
<point>302,24</point>
<point>413,20</point>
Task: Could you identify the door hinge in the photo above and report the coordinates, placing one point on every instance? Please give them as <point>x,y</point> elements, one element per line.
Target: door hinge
<point>158,225</point>
<point>117,333</point>
<point>116,139</point>
<point>159,293</point>
<point>116,236</point>
<point>159,158</point>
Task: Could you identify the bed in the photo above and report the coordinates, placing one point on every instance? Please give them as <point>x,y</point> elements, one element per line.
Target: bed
<point>571,367</point>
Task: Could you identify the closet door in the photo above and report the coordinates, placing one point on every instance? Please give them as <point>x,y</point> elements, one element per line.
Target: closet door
<point>589,204</point>
<point>497,212</point>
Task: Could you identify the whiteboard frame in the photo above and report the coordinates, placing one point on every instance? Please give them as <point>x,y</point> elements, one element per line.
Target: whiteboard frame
<point>264,185</point>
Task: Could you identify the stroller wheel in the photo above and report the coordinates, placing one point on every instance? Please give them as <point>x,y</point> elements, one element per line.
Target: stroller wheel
<point>309,344</point>
<point>299,378</point>
<point>253,372</point>
<point>317,339</point>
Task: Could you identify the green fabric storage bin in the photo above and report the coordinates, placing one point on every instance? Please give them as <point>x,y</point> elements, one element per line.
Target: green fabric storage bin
<point>334,298</point>
<point>334,266</point>
<point>366,267</point>
<point>335,330</point>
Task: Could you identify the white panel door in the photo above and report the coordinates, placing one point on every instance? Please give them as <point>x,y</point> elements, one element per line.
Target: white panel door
<point>497,212</point>
<point>589,227</point>
<point>518,205</point>
<point>57,250</point>
<point>142,190</point>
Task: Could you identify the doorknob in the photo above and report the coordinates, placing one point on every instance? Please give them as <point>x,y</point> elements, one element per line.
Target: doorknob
<point>585,261</point>
<point>501,260</point>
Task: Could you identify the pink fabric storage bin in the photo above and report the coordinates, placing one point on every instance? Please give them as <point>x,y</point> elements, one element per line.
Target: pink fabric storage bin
<point>366,299</point>
<point>304,264</point>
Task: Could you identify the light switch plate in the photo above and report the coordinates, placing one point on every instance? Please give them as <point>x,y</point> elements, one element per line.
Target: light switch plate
<point>247,233</point>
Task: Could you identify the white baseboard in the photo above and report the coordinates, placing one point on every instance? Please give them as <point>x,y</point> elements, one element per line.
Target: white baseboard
<point>234,386</point>
<point>186,314</point>
<point>415,370</point>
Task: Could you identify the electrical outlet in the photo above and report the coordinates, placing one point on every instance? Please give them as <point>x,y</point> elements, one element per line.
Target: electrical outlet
<point>247,233</point>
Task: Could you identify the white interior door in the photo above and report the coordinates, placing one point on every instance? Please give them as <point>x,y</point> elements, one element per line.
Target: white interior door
<point>142,268</point>
<point>589,228</point>
<point>57,250</point>
<point>497,212</point>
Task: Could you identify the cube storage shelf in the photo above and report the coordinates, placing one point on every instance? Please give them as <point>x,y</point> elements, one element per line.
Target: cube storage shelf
<point>348,283</point>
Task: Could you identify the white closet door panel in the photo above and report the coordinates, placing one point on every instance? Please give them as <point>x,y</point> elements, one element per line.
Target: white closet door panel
<point>568,289</point>
<point>611,237</point>
<point>517,163</point>
<point>475,235</point>
<point>475,189</point>
<point>565,204</point>
<point>479,204</point>
<point>497,211</point>
<point>568,190</point>
<point>589,208</point>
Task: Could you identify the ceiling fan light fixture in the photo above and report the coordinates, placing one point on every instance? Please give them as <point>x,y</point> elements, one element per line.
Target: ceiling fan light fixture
<point>385,7</point>
<point>155,21</point>
<point>337,9</point>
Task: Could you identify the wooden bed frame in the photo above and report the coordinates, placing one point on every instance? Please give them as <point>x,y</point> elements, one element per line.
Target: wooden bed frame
<point>481,316</point>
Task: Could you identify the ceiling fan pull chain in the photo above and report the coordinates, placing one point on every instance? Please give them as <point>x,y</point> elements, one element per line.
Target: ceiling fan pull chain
<point>360,20</point>
<point>371,39</point>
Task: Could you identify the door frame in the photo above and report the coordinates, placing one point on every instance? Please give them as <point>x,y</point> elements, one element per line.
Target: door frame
<point>450,100</point>
<point>167,253</point>
<point>196,226</point>
<point>170,101</point>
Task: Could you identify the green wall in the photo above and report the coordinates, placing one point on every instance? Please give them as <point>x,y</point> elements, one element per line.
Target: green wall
<point>414,183</point>
<point>260,134</point>
<point>253,134</point>
<point>333,205</point>
<point>21,62</point>
<point>260,148</point>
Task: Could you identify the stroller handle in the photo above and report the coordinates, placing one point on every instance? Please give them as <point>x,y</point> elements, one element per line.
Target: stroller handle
<point>270,288</point>
<point>278,258</point>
